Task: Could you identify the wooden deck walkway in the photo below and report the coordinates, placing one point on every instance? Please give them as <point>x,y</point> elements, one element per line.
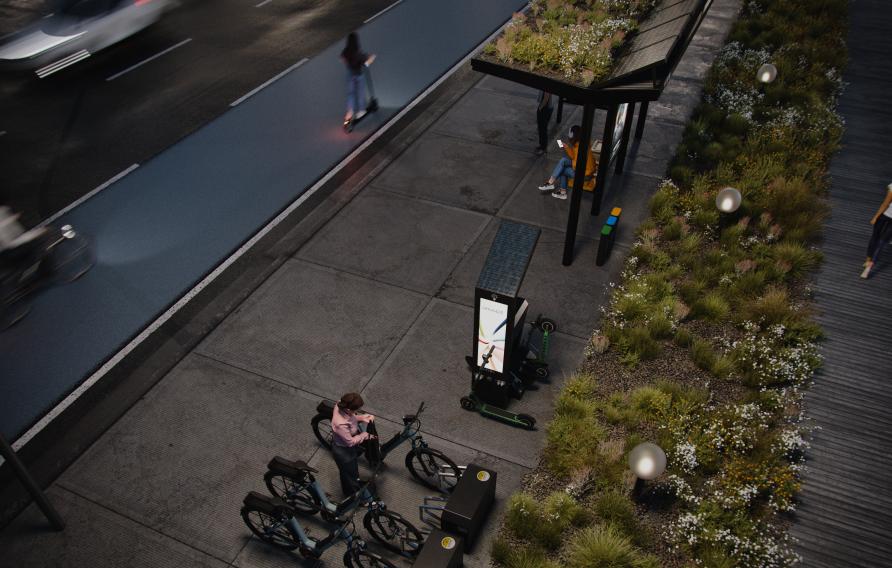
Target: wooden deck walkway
<point>845,516</point>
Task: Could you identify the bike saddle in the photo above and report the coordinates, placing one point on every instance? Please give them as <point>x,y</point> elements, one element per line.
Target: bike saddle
<point>325,407</point>
<point>270,505</point>
<point>290,468</point>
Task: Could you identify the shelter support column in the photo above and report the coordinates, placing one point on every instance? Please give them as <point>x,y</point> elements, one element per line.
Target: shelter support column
<point>642,115</point>
<point>585,141</point>
<point>604,163</point>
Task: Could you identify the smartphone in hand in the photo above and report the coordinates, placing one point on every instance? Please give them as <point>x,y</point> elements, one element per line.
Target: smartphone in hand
<point>560,143</point>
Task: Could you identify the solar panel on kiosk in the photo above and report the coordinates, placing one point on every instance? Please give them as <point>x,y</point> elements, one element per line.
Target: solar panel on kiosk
<point>508,258</point>
<point>665,14</point>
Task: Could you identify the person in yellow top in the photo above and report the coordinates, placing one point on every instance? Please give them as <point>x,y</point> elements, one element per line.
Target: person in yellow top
<point>882,232</point>
<point>566,167</point>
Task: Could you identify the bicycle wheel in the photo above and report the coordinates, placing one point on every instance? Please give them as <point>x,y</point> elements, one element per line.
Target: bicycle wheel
<point>393,531</point>
<point>356,558</point>
<point>432,468</point>
<point>268,528</point>
<point>322,430</point>
<point>292,491</point>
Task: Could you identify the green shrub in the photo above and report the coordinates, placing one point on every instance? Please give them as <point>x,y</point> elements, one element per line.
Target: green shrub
<point>683,337</point>
<point>703,355</point>
<point>604,546</point>
<point>638,342</point>
<point>500,551</point>
<point>572,443</point>
<point>799,259</point>
<point>650,401</point>
<point>712,307</point>
<point>617,511</point>
<point>795,206</point>
<point>770,308</point>
<point>520,556</point>
<point>660,327</point>
<point>562,510</point>
<point>523,516</point>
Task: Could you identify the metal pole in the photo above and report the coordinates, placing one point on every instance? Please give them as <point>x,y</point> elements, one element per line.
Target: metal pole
<point>560,111</point>
<point>642,114</point>
<point>585,141</point>
<point>604,164</point>
<point>19,469</point>
<point>627,131</point>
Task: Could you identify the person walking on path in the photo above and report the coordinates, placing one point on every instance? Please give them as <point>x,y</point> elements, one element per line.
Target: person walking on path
<point>566,166</point>
<point>882,232</point>
<point>543,116</point>
<point>355,60</point>
<point>349,435</point>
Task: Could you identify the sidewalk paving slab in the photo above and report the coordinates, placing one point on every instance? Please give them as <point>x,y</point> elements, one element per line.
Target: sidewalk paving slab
<point>94,536</point>
<point>456,171</point>
<point>395,239</point>
<point>183,458</point>
<point>315,328</point>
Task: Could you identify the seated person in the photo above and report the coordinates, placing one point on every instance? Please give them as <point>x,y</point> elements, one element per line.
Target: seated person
<point>566,167</point>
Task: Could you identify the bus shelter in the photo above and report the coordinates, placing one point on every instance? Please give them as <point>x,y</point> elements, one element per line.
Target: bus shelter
<point>642,69</point>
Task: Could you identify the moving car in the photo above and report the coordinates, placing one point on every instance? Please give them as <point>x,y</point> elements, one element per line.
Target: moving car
<point>76,30</point>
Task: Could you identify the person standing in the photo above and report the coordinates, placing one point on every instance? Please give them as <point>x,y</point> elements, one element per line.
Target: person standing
<point>348,434</point>
<point>355,60</point>
<point>566,167</point>
<point>882,232</point>
<point>543,116</point>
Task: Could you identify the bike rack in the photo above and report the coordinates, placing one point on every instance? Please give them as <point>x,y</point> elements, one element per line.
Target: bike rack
<point>430,514</point>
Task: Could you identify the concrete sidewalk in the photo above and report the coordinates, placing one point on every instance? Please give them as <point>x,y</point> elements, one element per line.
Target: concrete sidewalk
<point>379,299</point>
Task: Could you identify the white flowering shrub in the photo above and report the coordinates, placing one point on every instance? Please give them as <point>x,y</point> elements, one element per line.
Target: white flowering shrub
<point>773,356</point>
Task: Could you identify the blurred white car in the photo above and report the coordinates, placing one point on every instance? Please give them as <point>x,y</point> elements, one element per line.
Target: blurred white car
<point>75,30</point>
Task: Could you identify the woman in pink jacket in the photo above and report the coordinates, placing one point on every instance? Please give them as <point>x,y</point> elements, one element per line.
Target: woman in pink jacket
<point>349,429</point>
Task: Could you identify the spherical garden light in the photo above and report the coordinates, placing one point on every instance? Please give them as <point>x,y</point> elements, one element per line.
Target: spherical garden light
<point>766,73</point>
<point>647,461</point>
<point>728,200</point>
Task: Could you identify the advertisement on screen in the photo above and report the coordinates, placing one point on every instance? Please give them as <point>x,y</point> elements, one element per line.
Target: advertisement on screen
<point>492,326</point>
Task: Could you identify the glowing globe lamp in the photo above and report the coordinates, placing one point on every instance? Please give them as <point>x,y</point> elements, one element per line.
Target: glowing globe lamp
<point>766,73</point>
<point>728,200</point>
<point>647,461</point>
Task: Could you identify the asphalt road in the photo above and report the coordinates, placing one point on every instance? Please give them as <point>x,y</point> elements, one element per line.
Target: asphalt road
<point>63,136</point>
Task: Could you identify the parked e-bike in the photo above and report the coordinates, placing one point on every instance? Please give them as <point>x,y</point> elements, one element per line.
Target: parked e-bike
<point>429,466</point>
<point>275,522</point>
<point>294,483</point>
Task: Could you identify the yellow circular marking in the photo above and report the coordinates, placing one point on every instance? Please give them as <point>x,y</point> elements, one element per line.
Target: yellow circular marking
<point>483,475</point>
<point>447,542</point>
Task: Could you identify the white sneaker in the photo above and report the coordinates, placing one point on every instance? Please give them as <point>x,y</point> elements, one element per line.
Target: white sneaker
<point>866,272</point>
<point>546,187</point>
<point>559,194</point>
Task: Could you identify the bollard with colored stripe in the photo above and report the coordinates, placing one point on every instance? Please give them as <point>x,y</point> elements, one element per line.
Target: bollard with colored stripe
<point>608,236</point>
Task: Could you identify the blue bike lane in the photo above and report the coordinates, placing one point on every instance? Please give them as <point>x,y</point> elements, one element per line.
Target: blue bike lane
<point>168,224</point>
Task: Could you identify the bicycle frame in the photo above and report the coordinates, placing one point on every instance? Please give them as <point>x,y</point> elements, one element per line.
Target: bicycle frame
<point>411,431</point>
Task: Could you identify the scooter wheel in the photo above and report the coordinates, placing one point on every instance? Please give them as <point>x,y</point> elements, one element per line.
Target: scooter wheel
<point>542,373</point>
<point>527,421</point>
<point>548,325</point>
<point>467,403</point>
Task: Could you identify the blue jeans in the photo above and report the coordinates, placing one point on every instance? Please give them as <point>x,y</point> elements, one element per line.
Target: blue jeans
<point>563,171</point>
<point>355,93</point>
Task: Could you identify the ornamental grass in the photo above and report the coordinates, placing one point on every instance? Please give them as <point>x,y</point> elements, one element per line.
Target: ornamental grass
<point>708,341</point>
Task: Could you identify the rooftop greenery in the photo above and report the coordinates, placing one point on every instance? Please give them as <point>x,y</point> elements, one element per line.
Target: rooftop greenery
<point>573,40</point>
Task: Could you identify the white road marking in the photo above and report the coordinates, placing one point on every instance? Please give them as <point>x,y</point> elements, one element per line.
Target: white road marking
<point>134,343</point>
<point>382,11</point>
<point>144,61</point>
<point>268,83</point>
<point>265,2</point>
<point>98,188</point>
